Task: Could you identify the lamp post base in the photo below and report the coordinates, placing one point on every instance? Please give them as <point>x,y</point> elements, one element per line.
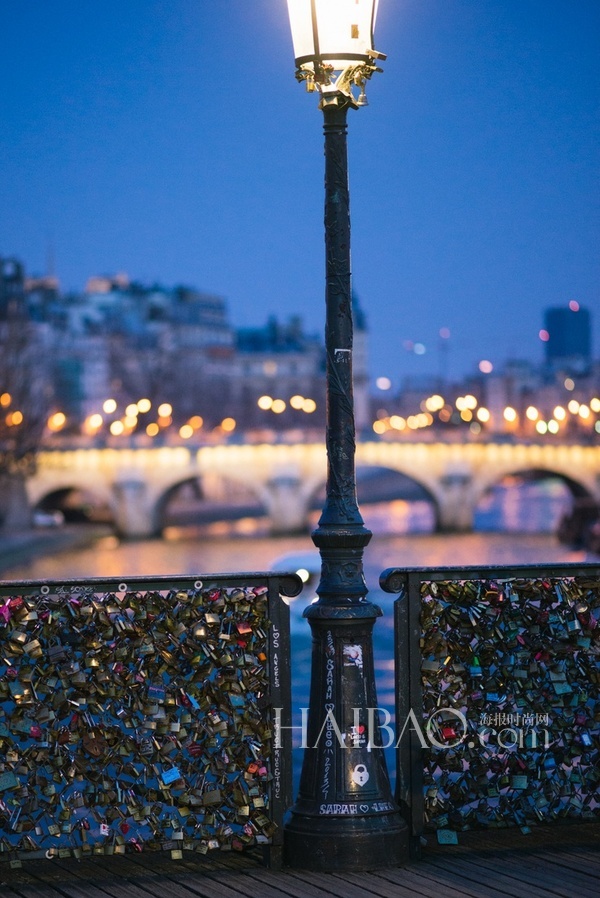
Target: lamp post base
<point>346,845</point>
<point>344,818</point>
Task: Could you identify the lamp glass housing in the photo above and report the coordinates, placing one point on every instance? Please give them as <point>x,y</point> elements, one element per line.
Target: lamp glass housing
<point>336,33</point>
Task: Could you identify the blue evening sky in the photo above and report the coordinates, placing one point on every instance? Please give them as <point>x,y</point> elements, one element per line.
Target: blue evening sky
<point>170,140</point>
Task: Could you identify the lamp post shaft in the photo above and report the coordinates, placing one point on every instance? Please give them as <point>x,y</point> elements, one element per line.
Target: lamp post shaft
<point>344,818</point>
<point>341,535</point>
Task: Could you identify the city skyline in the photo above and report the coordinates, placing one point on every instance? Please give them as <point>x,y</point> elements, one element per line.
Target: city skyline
<point>176,145</point>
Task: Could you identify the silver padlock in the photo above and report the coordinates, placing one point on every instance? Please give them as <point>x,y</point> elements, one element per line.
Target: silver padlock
<point>360,775</point>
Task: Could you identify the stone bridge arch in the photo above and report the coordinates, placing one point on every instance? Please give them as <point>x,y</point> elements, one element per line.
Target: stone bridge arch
<point>41,489</point>
<point>283,476</point>
<point>368,494</point>
<point>443,474</point>
<point>579,486</point>
<point>213,500</point>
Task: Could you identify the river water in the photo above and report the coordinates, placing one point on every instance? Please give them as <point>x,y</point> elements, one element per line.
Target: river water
<point>402,538</point>
<point>513,525</point>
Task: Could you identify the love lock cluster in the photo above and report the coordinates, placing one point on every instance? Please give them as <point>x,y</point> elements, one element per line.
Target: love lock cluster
<point>520,660</point>
<point>133,719</point>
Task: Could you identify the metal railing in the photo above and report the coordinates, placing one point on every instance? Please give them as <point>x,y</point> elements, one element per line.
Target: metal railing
<point>137,714</point>
<point>497,695</point>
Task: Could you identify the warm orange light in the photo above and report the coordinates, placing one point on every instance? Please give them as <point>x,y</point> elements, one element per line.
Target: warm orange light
<point>559,413</point>
<point>196,421</point>
<point>186,431</point>
<point>152,429</point>
<point>109,406</point>
<point>94,422</point>
<point>143,406</point>
<point>510,414</point>
<point>398,422</point>
<point>278,406</point>
<point>297,402</point>
<point>309,406</point>
<point>584,411</point>
<point>434,403</point>
<point>117,428</point>
<point>132,410</point>
<point>5,400</point>
<point>532,413</point>
<point>57,421</point>
<point>573,407</point>
<point>228,424</point>
<point>165,409</point>
<point>483,414</point>
<point>379,427</point>
<point>265,402</point>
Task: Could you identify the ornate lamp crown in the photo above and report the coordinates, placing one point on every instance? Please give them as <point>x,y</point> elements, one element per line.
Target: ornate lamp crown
<point>333,44</point>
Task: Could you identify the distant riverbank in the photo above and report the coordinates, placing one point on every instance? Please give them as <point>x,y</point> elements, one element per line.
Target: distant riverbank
<point>23,547</point>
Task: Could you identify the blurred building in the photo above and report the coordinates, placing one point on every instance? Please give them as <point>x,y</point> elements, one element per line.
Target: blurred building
<point>123,340</point>
<point>282,363</point>
<point>568,332</point>
<point>12,284</point>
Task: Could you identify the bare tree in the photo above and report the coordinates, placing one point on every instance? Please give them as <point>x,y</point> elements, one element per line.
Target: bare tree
<point>25,396</point>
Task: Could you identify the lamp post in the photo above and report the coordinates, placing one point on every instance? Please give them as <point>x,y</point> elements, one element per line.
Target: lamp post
<point>344,817</point>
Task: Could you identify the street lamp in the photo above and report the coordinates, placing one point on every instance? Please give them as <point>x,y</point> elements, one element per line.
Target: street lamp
<point>344,817</point>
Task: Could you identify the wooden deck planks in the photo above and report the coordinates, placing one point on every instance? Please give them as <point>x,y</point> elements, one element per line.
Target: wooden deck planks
<point>513,877</point>
<point>585,863</point>
<point>486,865</point>
<point>421,880</point>
<point>281,884</point>
<point>333,885</point>
<point>548,875</point>
<point>167,880</point>
<point>407,885</point>
<point>460,878</point>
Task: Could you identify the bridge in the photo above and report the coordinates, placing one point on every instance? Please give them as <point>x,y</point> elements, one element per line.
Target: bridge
<point>137,484</point>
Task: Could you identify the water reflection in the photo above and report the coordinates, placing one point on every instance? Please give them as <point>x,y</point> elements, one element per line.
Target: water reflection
<point>517,506</point>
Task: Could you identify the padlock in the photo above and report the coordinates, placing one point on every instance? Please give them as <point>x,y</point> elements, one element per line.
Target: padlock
<point>360,775</point>
<point>55,650</point>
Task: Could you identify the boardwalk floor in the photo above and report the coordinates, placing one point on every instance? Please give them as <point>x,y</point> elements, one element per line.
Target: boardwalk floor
<point>549,862</point>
